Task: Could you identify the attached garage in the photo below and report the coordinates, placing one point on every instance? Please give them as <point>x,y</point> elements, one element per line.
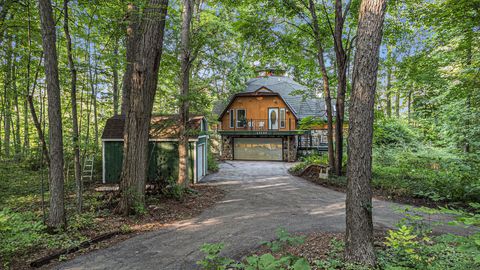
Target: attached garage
<point>258,149</point>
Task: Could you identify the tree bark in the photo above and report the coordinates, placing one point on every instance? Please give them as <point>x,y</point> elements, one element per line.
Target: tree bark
<point>185,54</point>
<point>18,144</point>
<point>143,82</point>
<point>132,40</point>
<point>36,122</point>
<point>326,86</point>
<point>56,218</point>
<point>6,99</point>
<point>73,101</point>
<point>342,60</point>
<point>388,92</point>
<point>359,225</point>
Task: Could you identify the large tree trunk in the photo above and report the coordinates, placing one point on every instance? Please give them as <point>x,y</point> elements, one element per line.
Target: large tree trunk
<point>185,54</point>
<point>132,40</point>
<point>359,225</point>
<point>56,218</point>
<point>342,60</point>
<point>143,82</point>
<point>326,86</point>
<point>73,101</point>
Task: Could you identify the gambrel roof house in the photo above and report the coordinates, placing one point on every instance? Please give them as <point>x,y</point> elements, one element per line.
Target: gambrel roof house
<point>262,122</point>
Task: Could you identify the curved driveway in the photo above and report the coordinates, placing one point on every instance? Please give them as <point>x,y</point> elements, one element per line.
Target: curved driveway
<point>260,197</point>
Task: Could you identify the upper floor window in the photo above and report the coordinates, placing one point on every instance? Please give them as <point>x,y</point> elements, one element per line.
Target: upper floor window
<point>282,118</point>
<point>241,118</point>
<point>232,119</point>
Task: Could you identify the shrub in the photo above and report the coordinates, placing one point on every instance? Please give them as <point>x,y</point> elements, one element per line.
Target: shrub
<point>391,131</point>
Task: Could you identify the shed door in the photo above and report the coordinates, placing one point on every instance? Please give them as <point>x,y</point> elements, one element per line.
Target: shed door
<point>257,148</point>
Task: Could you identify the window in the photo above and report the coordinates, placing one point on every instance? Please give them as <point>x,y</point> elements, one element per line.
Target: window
<point>282,118</point>
<point>241,118</point>
<point>232,121</point>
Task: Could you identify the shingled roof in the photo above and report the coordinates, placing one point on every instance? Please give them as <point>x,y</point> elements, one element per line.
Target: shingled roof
<point>290,91</point>
<point>161,127</point>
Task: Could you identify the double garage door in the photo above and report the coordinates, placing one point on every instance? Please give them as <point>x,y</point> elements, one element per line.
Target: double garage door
<point>257,149</point>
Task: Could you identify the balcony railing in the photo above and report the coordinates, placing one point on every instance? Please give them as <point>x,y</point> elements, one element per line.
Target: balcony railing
<point>261,125</point>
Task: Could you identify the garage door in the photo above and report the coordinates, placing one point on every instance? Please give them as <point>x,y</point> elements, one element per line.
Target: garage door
<point>257,148</point>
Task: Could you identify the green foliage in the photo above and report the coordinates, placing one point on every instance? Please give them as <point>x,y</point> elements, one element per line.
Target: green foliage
<point>19,232</point>
<point>308,122</point>
<point>212,161</point>
<point>393,132</point>
<point>284,239</point>
<point>425,171</point>
<point>173,189</point>
<point>212,259</point>
<point>412,248</point>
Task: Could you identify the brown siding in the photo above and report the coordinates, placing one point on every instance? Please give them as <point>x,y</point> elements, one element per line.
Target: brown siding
<point>257,109</point>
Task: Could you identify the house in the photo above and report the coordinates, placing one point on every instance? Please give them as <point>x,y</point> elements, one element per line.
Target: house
<point>263,121</point>
<point>163,148</point>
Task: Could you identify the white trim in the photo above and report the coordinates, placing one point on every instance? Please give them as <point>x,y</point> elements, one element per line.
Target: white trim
<point>195,180</point>
<point>103,162</point>
<point>112,140</point>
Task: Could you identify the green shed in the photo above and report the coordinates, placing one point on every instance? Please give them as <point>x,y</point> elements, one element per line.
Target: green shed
<point>163,148</point>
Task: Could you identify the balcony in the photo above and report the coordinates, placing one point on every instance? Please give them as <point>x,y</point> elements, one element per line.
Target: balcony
<point>260,127</point>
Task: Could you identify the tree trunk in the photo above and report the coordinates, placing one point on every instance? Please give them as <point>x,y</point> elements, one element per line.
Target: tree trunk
<point>73,101</point>
<point>132,40</point>
<point>18,143</point>
<point>359,224</point>
<point>326,86</point>
<point>56,218</point>
<point>409,104</point>
<point>388,92</point>
<point>341,60</point>
<point>143,82</point>
<point>397,103</point>
<point>185,54</point>
<point>6,99</point>
<point>115,79</point>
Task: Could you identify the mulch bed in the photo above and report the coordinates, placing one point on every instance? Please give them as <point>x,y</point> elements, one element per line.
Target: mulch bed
<point>317,246</point>
<point>311,174</point>
<point>161,211</point>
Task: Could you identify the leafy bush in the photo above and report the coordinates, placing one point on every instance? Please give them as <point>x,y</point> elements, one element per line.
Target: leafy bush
<point>213,260</point>
<point>391,131</point>
<point>212,162</point>
<point>410,247</point>
<point>284,239</point>
<point>425,171</point>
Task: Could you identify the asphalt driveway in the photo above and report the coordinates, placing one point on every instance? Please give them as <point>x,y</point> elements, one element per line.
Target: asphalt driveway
<point>261,197</point>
